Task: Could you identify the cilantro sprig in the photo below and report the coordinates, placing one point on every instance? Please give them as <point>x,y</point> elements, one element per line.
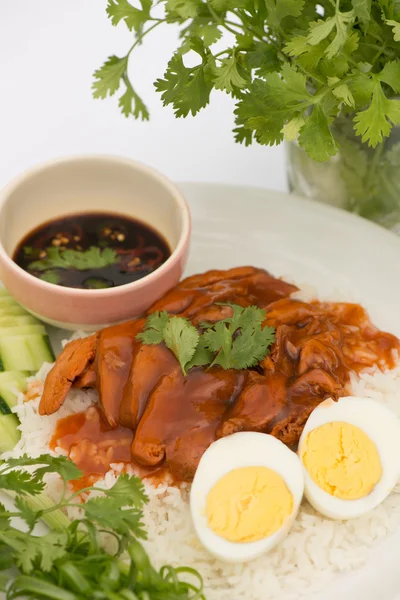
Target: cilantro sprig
<point>237,342</point>
<point>292,66</point>
<point>92,258</point>
<point>69,562</point>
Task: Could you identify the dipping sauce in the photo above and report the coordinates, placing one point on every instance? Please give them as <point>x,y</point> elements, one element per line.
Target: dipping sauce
<point>92,251</point>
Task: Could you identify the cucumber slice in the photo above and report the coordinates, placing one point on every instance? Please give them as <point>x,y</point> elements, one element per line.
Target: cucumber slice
<point>12,310</point>
<point>18,376</point>
<point>24,352</point>
<point>9,434</point>
<point>8,301</point>
<point>9,392</point>
<point>4,292</point>
<point>15,321</point>
<point>22,330</point>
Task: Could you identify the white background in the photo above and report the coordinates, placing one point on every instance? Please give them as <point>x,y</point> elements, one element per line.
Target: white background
<point>48,52</point>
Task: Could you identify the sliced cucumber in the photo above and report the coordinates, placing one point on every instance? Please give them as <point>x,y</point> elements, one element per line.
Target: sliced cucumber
<point>19,376</point>
<point>13,310</point>
<point>9,434</point>
<point>18,320</point>
<point>22,330</point>
<point>24,352</point>
<point>4,292</point>
<point>9,392</point>
<point>7,301</point>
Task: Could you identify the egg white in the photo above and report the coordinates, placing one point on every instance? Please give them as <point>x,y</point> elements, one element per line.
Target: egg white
<point>382,427</point>
<point>244,449</point>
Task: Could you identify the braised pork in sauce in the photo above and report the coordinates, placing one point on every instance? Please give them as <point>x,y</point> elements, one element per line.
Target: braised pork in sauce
<point>169,419</point>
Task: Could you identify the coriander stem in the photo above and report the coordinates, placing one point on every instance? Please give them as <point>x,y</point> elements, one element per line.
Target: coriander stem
<point>143,35</point>
<point>219,20</point>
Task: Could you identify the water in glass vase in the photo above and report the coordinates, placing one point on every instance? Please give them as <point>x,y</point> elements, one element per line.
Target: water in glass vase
<point>360,179</point>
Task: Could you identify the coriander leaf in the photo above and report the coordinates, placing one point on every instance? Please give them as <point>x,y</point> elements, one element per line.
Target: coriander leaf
<point>225,5</point>
<point>219,340</point>
<point>291,129</point>
<point>316,137</point>
<point>375,123</point>
<point>320,30</point>
<point>139,109</point>
<point>272,102</point>
<point>396,29</point>
<point>342,21</point>
<point>226,76</point>
<point>46,463</point>
<point>108,77</point>
<point>208,32</point>
<point>362,9</point>
<point>297,45</point>
<point>111,516</point>
<point>267,130</point>
<point>182,339</point>
<point>280,9</point>
<point>4,517</point>
<point>5,579</point>
<point>93,258</point>
<point>323,28</point>
<point>362,87</point>
<point>21,482</point>
<point>342,92</point>
<point>263,58</point>
<point>51,277</point>
<point>201,357</point>
<point>128,490</point>
<point>26,513</point>
<point>154,328</point>
<point>187,89</point>
<point>185,9</point>
<point>31,551</point>
<point>250,316</point>
<point>288,90</point>
<point>122,10</point>
<point>251,346</point>
<point>390,74</point>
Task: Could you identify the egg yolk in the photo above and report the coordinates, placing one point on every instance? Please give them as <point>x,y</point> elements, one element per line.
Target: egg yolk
<point>342,460</point>
<point>248,504</point>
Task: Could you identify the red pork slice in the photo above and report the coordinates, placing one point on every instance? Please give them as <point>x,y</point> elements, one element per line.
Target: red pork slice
<point>70,364</point>
<point>87,379</point>
<point>113,362</point>
<point>179,407</point>
<point>149,365</point>
<point>195,296</point>
<point>259,403</point>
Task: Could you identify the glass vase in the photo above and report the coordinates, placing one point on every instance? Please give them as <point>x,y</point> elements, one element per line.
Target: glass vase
<point>359,179</point>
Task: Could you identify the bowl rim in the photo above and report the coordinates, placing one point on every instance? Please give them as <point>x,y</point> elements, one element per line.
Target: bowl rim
<point>126,287</point>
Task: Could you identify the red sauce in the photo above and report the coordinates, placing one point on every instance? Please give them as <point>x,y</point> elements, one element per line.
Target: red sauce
<point>92,444</point>
<point>164,421</point>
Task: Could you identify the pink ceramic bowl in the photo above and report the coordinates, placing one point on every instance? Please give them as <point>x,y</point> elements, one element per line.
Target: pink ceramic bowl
<point>87,184</point>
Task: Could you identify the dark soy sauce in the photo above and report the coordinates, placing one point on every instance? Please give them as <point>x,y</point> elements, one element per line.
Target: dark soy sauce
<point>92,251</point>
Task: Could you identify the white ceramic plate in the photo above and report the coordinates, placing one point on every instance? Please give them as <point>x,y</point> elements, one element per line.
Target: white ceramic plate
<point>314,244</point>
<point>317,245</point>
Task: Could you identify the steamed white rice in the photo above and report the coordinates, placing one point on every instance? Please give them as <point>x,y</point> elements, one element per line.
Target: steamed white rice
<point>315,549</point>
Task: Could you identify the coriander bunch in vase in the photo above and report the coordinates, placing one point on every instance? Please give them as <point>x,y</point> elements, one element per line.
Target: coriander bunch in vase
<point>322,75</point>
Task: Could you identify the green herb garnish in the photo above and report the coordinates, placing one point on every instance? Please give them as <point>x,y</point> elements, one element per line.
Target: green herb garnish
<point>51,277</point>
<point>93,258</point>
<point>237,342</point>
<point>292,66</point>
<point>69,562</point>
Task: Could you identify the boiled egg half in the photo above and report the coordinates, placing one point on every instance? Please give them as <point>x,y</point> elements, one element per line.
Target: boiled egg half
<point>245,495</point>
<point>350,454</point>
